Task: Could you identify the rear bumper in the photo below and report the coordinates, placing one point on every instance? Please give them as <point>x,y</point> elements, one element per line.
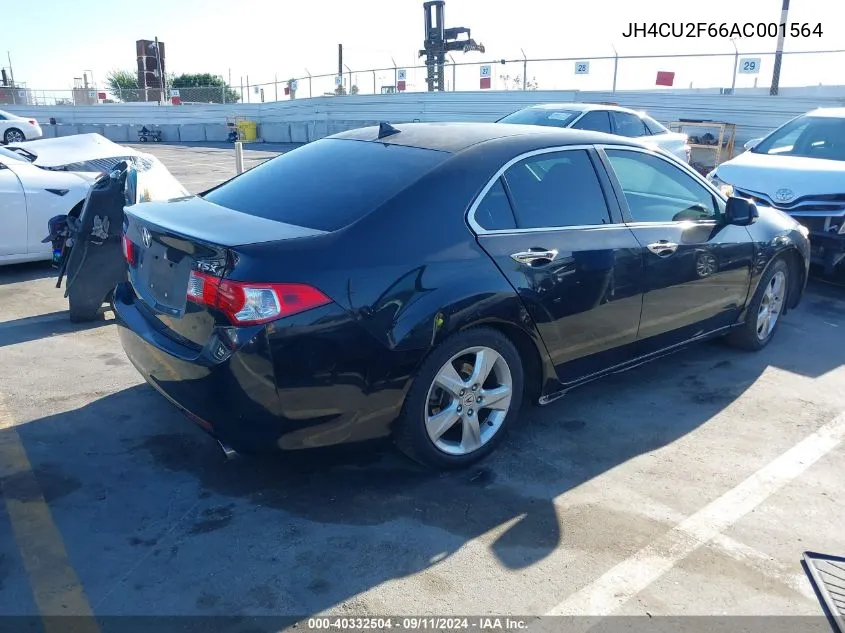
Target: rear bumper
<point>301,386</point>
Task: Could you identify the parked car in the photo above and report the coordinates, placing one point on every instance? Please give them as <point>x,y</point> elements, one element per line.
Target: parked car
<point>800,169</point>
<point>421,281</point>
<point>15,129</point>
<point>604,118</point>
<point>45,178</point>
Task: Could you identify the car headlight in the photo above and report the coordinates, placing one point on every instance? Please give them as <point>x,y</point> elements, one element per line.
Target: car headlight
<point>721,185</point>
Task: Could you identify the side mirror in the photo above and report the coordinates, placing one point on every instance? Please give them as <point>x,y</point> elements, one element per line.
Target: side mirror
<point>740,212</point>
<point>752,143</point>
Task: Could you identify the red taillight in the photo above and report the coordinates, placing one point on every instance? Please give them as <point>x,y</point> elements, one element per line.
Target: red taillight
<point>247,303</point>
<point>128,250</point>
<point>32,122</point>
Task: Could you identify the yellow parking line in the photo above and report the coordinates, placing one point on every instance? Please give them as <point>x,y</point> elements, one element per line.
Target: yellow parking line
<point>55,585</point>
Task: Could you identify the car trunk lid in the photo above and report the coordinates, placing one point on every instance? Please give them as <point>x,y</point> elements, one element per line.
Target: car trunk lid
<point>179,250</point>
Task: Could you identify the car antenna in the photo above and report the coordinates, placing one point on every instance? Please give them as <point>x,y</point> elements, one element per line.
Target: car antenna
<point>385,129</point>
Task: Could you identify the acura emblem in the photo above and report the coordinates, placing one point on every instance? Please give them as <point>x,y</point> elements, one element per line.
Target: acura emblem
<point>784,195</point>
<point>146,238</point>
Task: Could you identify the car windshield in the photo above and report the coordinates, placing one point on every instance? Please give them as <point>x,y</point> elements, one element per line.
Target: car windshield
<point>328,184</point>
<point>542,116</point>
<point>15,153</point>
<point>809,137</point>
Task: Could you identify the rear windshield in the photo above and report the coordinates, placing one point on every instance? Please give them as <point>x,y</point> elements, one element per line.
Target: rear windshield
<point>328,184</point>
<point>541,116</point>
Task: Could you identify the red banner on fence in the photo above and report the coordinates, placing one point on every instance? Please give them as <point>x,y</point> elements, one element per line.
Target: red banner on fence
<point>665,78</point>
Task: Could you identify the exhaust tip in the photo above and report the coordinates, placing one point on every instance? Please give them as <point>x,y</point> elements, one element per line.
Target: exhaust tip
<point>228,452</point>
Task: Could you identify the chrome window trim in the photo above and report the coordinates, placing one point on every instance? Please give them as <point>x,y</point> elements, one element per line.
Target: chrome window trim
<point>479,230</point>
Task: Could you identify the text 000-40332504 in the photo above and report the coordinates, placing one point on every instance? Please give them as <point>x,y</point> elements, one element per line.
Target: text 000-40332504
<point>724,29</point>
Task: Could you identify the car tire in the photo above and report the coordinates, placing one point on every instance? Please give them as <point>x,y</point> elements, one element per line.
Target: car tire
<point>466,433</point>
<point>13,135</point>
<point>769,301</point>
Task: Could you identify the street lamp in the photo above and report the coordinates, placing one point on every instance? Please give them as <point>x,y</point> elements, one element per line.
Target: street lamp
<point>736,64</point>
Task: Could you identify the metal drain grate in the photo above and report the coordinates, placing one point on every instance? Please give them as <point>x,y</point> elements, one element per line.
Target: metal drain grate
<point>828,576</point>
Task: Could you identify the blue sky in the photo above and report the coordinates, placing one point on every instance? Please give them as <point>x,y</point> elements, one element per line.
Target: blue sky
<point>262,38</point>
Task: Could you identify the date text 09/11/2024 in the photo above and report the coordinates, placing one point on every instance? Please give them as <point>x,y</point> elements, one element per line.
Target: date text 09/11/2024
<point>712,29</point>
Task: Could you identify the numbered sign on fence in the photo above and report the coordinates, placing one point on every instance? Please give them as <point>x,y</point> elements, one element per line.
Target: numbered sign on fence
<point>582,68</point>
<point>294,84</point>
<point>338,80</point>
<point>403,74</point>
<point>486,71</point>
<point>174,93</point>
<point>749,65</point>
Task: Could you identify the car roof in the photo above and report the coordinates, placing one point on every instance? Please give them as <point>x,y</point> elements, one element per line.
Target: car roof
<point>580,107</point>
<point>457,137</point>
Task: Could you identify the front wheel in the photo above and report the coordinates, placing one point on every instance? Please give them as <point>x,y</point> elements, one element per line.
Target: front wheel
<point>764,310</point>
<point>463,400</point>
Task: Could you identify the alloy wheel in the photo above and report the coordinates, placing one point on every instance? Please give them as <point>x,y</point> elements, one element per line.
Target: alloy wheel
<point>771,305</point>
<point>468,400</point>
<point>13,136</point>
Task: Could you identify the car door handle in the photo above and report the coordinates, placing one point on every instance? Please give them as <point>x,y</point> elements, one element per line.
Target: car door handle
<point>663,248</point>
<point>535,256</point>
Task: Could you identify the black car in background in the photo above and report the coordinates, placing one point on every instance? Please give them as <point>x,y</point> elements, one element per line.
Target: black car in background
<point>422,281</point>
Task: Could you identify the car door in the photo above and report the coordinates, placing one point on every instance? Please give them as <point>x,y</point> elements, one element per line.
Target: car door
<point>697,268</point>
<point>551,223</point>
<point>13,230</point>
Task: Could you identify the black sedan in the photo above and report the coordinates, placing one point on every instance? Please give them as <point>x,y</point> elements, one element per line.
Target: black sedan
<point>422,281</point>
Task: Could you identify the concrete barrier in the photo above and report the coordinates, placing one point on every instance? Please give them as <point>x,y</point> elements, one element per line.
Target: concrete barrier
<point>275,132</point>
<point>170,133</point>
<point>48,131</point>
<point>90,128</point>
<point>216,132</point>
<point>64,129</point>
<point>318,130</point>
<point>116,133</point>
<point>299,132</point>
<point>192,133</point>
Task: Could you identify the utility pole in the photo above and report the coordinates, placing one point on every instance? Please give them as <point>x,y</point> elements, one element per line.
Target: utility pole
<point>160,74</point>
<point>11,72</point>
<point>784,14</point>
<point>736,64</point>
<point>340,65</point>
<point>524,70</point>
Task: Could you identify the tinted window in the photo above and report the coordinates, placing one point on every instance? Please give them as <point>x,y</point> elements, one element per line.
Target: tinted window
<point>495,213</point>
<point>628,124</point>
<point>597,120</point>
<point>541,116</point>
<point>657,191</point>
<point>328,184</point>
<point>654,127</point>
<point>555,190</point>
<point>808,136</point>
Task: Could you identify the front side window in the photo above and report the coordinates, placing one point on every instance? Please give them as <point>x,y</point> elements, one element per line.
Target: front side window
<point>595,120</point>
<point>657,191</point>
<point>629,125</point>
<point>556,190</point>
<point>808,137</point>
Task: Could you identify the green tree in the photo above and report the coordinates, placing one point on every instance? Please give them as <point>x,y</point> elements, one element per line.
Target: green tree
<point>214,88</point>
<point>123,84</point>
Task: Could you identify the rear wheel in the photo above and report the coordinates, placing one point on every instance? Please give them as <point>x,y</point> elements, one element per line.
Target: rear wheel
<point>765,309</point>
<point>464,398</point>
<point>13,135</point>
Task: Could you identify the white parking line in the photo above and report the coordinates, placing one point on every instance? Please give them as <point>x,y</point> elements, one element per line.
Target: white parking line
<point>609,592</point>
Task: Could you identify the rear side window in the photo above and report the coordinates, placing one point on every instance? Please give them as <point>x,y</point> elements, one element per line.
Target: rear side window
<point>494,213</point>
<point>654,127</point>
<point>557,190</point>
<point>328,184</point>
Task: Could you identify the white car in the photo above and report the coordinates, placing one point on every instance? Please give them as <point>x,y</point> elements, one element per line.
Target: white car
<point>42,179</point>
<point>605,118</point>
<point>800,170</point>
<point>16,129</point>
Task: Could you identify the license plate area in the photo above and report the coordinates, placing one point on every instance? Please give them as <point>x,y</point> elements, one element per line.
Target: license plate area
<point>164,274</point>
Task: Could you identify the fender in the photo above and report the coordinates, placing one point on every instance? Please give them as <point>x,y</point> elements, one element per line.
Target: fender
<point>781,246</point>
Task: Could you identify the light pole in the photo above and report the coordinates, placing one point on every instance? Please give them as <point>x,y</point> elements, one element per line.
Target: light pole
<point>524,70</point>
<point>736,64</point>
<point>784,13</point>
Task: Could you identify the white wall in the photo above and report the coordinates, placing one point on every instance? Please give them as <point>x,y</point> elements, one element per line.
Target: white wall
<point>754,114</point>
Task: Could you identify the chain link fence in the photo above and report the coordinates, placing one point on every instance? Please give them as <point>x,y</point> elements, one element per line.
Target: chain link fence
<point>723,71</point>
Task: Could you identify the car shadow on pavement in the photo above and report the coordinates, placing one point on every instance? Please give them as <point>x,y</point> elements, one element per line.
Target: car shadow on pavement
<point>18,273</point>
<point>33,328</point>
<point>298,534</point>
